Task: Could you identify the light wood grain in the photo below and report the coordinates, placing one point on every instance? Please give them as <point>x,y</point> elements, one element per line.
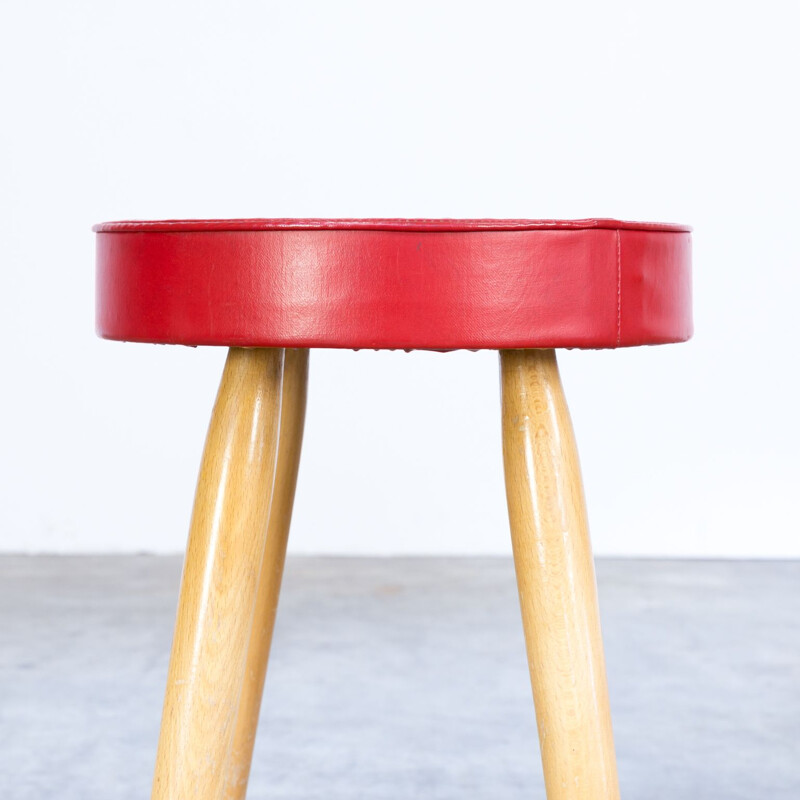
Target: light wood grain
<point>555,576</point>
<point>293,411</point>
<point>220,579</point>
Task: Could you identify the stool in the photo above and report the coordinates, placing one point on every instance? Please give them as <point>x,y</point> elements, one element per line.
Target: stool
<point>270,290</point>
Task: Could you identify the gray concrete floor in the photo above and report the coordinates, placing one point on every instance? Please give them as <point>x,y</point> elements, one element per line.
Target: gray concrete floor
<point>400,678</point>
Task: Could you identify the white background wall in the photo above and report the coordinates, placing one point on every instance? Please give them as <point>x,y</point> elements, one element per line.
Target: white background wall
<point>683,112</point>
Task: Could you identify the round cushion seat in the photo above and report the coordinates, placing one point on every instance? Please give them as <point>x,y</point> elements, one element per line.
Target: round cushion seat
<point>394,283</point>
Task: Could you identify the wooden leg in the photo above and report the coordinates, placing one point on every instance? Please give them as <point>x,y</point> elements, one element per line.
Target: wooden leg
<point>555,576</point>
<point>293,410</point>
<point>220,579</point>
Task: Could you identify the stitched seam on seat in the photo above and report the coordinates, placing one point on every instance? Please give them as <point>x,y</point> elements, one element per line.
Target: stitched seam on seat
<point>448,225</point>
<point>619,288</point>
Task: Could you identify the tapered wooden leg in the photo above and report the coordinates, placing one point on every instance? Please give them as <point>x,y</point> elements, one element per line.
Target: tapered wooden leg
<point>293,411</point>
<point>220,579</point>
<point>555,576</point>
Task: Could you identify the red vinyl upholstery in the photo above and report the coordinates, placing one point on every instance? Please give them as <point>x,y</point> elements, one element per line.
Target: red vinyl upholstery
<point>394,283</point>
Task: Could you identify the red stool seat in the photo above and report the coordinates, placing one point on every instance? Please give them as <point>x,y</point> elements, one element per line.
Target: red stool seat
<point>402,283</point>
